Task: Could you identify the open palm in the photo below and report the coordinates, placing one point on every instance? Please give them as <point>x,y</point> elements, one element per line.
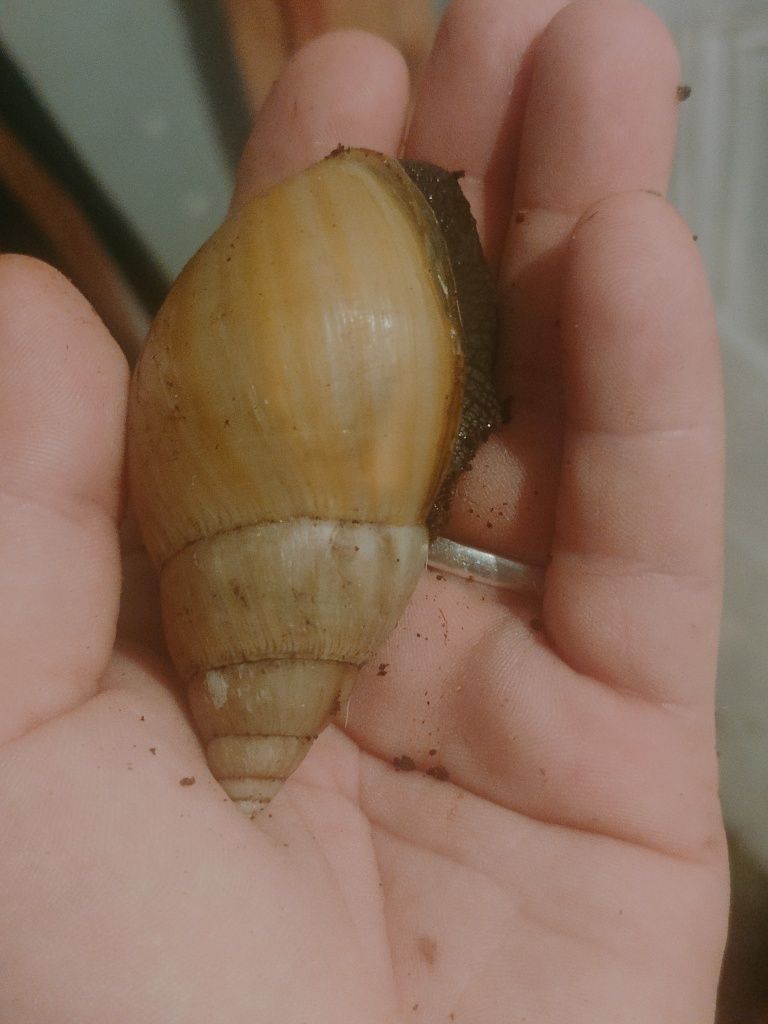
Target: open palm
<point>556,853</point>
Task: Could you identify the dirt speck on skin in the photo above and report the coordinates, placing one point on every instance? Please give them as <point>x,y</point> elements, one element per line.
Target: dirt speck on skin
<point>427,949</point>
<point>153,750</point>
<point>403,763</point>
<point>383,668</point>
<point>438,772</point>
<point>683,92</point>
<point>188,780</point>
<point>432,752</point>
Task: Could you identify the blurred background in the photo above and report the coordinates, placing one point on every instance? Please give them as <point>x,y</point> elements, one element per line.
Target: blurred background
<point>120,127</point>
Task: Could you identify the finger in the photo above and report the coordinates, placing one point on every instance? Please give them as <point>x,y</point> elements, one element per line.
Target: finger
<point>600,118</point>
<point>345,88</point>
<point>470,104</point>
<point>62,401</point>
<point>633,589</point>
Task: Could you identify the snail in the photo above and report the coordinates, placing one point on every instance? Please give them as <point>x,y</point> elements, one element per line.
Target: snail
<point>314,382</point>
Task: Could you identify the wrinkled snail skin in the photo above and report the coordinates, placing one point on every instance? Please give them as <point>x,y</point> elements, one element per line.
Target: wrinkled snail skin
<point>291,422</point>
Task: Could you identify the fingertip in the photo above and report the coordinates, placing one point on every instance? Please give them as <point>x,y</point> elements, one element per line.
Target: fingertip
<point>33,296</point>
<point>23,279</point>
<point>345,57</point>
<point>633,12</point>
<point>347,87</point>
<point>637,22</point>
<point>605,80</point>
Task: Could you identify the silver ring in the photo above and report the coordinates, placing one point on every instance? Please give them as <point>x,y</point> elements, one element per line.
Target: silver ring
<point>473,564</point>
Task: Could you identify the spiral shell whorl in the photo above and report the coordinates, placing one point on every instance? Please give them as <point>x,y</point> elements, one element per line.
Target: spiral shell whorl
<point>269,623</point>
<point>285,703</point>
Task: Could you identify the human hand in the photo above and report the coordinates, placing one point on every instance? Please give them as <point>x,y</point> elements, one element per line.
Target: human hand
<point>572,866</point>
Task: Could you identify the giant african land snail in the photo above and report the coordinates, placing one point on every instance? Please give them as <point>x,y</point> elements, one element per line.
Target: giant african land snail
<point>314,382</point>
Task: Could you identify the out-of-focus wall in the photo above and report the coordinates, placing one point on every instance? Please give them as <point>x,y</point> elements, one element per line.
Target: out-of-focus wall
<point>121,81</point>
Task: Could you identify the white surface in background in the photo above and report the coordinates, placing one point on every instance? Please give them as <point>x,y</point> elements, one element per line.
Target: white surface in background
<point>743,678</point>
<point>119,78</point>
<point>721,186</point>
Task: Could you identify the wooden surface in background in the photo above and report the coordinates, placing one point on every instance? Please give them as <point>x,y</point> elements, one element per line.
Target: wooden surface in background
<point>70,239</point>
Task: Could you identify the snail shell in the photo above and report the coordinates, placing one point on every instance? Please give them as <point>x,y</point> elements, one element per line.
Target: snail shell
<point>292,421</point>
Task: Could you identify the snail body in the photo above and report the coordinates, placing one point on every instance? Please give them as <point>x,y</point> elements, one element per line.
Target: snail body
<point>292,420</point>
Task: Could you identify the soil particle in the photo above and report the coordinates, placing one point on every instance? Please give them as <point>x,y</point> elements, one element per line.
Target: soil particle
<point>428,949</point>
<point>438,772</point>
<point>403,763</point>
<point>188,780</point>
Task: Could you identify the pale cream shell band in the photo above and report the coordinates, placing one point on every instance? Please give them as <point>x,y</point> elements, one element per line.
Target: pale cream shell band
<point>493,570</point>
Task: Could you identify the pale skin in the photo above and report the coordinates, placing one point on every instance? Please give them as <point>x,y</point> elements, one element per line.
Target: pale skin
<point>572,868</point>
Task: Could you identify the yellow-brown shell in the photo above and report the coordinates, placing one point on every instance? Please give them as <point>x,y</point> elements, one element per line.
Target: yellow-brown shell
<point>291,422</point>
